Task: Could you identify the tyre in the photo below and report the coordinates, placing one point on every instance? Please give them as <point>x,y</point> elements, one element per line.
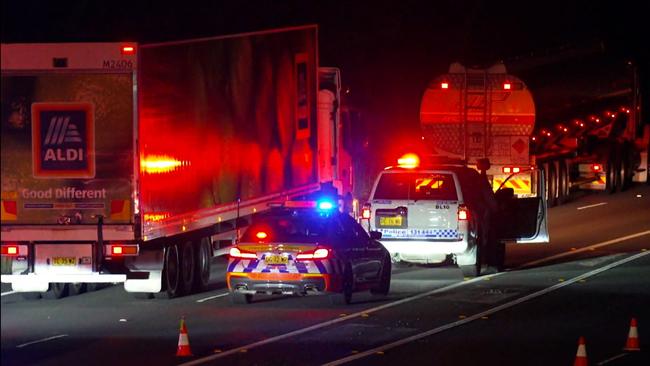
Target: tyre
<point>610,178</point>
<point>625,176</point>
<point>474,269</point>
<point>172,273</point>
<point>552,184</point>
<point>56,291</point>
<point>76,288</point>
<point>30,296</point>
<point>187,267</point>
<point>202,264</point>
<point>383,288</point>
<point>347,287</point>
<point>563,182</point>
<point>239,298</point>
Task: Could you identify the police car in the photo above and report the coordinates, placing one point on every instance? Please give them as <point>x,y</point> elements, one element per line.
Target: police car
<point>307,247</point>
<point>447,213</point>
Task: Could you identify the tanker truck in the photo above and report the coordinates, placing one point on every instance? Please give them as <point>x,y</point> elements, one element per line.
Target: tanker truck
<point>474,114</point>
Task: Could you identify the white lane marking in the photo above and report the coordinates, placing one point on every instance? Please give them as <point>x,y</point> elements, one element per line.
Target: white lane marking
<point>41,340</point>
<point>484,313</point>
<point>7,293</point>
<point>335,321</point>
<point>594,205</point>
<point>213,297</point>
<point>612,359</point>
<point>591,247</point>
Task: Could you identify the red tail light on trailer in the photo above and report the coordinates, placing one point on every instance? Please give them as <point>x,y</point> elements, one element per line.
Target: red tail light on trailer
<point>120,250</point>
<point>10,250</point>
<point>128,50</point>
<point>596,168</point>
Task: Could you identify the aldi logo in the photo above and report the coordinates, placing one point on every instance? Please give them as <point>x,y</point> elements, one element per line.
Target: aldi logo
<point>63,140</point>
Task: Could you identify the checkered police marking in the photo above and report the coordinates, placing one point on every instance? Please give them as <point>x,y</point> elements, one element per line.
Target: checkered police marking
<point>420,233</point>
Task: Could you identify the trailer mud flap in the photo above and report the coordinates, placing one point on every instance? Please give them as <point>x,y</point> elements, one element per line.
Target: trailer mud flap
<point>149,263</point>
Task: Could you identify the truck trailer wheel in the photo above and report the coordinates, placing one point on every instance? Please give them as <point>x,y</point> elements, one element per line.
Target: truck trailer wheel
<point>171,272</point>
<point>76,288</point>
<point>56,291</point>
<point>187,267</point>
<point>203,252</point>
<point>563,182</point>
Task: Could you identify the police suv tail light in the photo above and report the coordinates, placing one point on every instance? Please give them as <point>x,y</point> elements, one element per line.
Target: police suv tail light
<point>365,212</point>
<point>463,213</point>
<point>238,253</point>
<point>320,253</point>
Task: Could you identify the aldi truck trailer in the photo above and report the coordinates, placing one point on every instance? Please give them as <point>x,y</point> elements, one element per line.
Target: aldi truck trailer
<point>127,163</point>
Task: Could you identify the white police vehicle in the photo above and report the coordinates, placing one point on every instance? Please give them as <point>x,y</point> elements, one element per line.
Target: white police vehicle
<point>448,213</point>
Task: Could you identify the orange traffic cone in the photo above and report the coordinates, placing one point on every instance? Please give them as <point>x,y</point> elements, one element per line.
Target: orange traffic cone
<point>183,342</point>
<point>581,355</point>
<point>632,343</point>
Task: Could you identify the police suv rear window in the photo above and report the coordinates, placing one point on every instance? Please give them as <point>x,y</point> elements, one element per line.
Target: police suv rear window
<point>416,186</point>
<point>290,226</point>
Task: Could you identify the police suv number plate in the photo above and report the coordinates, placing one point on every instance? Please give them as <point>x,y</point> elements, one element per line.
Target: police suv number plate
<point>390,221</point>
<point>276,259</point>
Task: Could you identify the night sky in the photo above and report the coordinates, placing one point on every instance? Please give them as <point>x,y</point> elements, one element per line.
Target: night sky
<point>387,50</point>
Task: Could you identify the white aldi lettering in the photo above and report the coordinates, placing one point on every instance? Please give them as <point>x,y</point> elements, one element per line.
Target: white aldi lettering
<point>63,140</point>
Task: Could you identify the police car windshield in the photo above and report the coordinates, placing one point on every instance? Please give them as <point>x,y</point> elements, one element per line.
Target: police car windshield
<point>416,186</point>
<point>289,226</point>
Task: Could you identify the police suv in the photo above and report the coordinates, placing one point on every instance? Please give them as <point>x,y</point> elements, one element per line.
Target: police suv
<point>447,213</point>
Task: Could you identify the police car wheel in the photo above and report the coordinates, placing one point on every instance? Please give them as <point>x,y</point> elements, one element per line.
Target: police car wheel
<point>383,287</point>
<point>239,298</point>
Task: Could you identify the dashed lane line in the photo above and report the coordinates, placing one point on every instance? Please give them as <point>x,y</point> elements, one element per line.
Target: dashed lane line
<point>484,313</point>
<point>594,205</point>
<point>213,297</point>
<point>41,340</point>
<point>280,337</point>
<point>584,249</point>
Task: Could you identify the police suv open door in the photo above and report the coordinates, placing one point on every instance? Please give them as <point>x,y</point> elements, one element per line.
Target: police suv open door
<point>523,219</point>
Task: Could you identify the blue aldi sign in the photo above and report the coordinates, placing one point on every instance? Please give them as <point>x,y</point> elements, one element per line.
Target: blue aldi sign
<point>63,140</point>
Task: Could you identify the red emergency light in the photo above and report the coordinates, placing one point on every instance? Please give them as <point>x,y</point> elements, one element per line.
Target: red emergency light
<point>408,161</point>
<point>261,235</point>
<point>507,86</point>
<point>444,85</point>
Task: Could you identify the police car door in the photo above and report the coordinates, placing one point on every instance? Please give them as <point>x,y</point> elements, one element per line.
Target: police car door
<point>524,219</point>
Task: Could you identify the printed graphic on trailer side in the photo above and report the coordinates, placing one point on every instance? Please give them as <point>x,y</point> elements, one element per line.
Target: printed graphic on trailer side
<point>63,140</point>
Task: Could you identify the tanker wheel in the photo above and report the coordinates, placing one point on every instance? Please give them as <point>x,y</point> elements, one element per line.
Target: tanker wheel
<point>563,182</point>
<point>76,288</point>
<point>552,185</point>
<point>625,176</point>
<point>611,178</point>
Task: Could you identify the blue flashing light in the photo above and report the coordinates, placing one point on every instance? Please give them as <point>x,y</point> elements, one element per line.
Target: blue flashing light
<point>325,205</point>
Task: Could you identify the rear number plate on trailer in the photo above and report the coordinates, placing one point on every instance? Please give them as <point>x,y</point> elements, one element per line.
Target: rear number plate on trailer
<point>277,259</point>
<point>64,261</point>
<point>390,221</point>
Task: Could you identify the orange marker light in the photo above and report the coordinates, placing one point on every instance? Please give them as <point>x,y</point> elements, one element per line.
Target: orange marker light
<point>128,50</point>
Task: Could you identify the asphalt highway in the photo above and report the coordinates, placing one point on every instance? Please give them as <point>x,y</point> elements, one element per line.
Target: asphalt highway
<point>590,281</point>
